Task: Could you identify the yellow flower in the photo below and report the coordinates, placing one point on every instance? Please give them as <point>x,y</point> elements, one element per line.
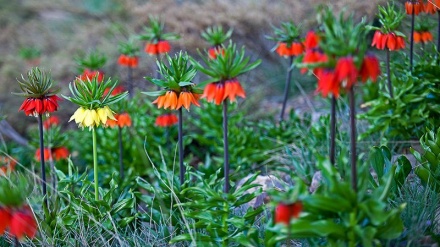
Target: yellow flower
<point>92,117</point>
<point>105,113</point>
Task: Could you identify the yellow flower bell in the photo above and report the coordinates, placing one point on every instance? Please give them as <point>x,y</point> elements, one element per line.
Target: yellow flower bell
<point>92,117</point>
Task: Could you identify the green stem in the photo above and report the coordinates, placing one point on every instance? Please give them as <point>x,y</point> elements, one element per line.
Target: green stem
<point>181,154</point>
<point>333,131</point>
<point>390,85</point>
<point>121,151</point>
<point>95,164</point>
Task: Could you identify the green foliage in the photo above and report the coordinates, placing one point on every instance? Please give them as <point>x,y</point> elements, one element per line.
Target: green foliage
<point>380,160</point>
<point>429,171</point>
<point>129,48</point>
<point>74,205</point>
<point>336,215</point>
<point>90,94</point>
<point>288,32</point>
<point>38,84</point>
<point>215,35</point>
<point>155,32</point>
<point>390,17</point>
<point>177,76</point>
<point>14,189</point>
<point>29,52</point>
<point>93,60</point>
<point>414,107</point>
<point>212,215</point>
<point>342,37</point>
<point>228,65</point>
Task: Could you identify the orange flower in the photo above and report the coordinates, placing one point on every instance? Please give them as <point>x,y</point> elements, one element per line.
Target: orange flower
<point>186,98</point>
<point>121,120</point>
<point>430,7</point>
<point>345,72</point>
<point>168,100</point>
<point>6,164</point>
<point>413,5</point>
<point>150,49</point>
<point>33,106</point>
<point>38,154</point>
<point>163,46</point>
<point>286,50</point>
<point>117,90</point>
<point>220,91</point>
<point>233,89</point>
<point>23,223</point>
<point>214,51</point>
<point>88,75</point>
<point>426,37</point>
<point>60,153</point>
<point>327,83</point>
<point>389,40</point>
<point>370,68</point>
<point>311,40</point>
<point>166,120</point>
<point>417,36</point>
<point>57,153</point>
<point>284,213</point>
<point>313,56</point>
<point>51,121</point>
<point>5,219</point>
<point>128,61</point>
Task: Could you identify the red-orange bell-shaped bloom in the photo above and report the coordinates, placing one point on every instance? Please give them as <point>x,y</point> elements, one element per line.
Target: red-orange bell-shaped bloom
<point>284,213</point>
<point>370,68</point>
<point>413,6</point>
<point>23,223</point>
<point>346,72</point>
<point>327,83</point>
<point>168,100</point>
<point>166,120</point>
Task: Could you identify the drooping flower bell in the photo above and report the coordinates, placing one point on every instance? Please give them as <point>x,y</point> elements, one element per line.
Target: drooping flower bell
<point>93,103</point>
<point>166,120</point>
<point>39,93</point>
<point>413,6</point>
<point>121,120</point>
<point>89,74</point>
<point>288,42</point>
<point>370,68</point>
<point>178,89</point>
<point>129,54</point>
<point>57,153</point>
<point>51,121</point>
<point>311,40</point>
<point>284,213</point>
<point>389,41</point>
<point>431,6</point>
<point>224,71</point>
<point>157,41</point>
<point>215,36</point>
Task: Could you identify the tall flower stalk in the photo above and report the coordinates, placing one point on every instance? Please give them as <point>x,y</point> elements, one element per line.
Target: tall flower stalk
<point>288,46</point>
<point>223,84</point>
<point>40,99</point>
<point>413,8</point>
<point>388,37</point>
<point>94,110</point>
<point>157,40</point>
<point>129,58</point>
<point>346,63</point>
<point>177,91</point>
<point>121,120</point>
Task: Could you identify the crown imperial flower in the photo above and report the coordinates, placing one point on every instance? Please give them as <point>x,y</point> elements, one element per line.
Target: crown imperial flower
<point>39,93</point>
